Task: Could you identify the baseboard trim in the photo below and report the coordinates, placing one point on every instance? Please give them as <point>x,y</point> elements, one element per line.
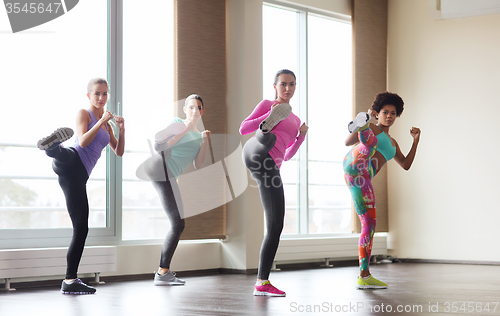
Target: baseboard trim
<point>43,284</point>
<point>206,272</point>
<point>317,264</point>
<point>128,277</point>
<point>467,262</point>
<point>238,271</point>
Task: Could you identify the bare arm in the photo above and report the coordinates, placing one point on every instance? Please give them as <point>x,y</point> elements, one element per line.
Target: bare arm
<point>85,137</point>
<point>406,162</point>
<point>118,146</point>
<point>352,139</point>
<point>202,154</point>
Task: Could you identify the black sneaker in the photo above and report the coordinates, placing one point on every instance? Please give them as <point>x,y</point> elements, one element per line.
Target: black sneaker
<point>77,287</point>
<point>58,136</point>
<point>278,113</point>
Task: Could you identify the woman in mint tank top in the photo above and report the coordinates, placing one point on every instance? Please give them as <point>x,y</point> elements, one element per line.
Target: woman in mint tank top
<point>73,166</point>
<point>375,147</point>
<point>178,145</point>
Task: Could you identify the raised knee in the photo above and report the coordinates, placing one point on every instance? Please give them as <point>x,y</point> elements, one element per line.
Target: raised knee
<point>179,226</point>
<point>154,168</point>
<point>267,139</point>
<point>164,150</point>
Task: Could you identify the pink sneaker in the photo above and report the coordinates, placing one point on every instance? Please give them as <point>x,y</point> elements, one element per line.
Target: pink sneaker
<point>267,289</point>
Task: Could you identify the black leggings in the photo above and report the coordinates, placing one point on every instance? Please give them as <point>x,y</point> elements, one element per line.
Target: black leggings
<point>267,175</point>
<point>172,204</point>
<point>73,181</point>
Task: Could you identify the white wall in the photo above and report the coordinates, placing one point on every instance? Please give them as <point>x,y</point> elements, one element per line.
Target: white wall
<point>146,258</point>
<point>448,73</point>
<point>245,219</point>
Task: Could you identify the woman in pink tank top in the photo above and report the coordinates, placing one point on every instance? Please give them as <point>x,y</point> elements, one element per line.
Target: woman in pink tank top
<point>278,136</point>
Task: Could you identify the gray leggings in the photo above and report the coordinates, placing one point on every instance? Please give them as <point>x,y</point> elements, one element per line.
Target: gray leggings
<point>172,204</point>
<point>267,175</point>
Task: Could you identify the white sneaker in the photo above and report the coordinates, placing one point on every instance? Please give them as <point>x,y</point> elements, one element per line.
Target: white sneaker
<point>58,136</point>
<point>278,113</point>
<point>359,121</point>
<point>170,131</point>
<point>168,278</point>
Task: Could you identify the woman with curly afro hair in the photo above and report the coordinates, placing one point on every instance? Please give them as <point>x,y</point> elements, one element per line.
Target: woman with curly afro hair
<point>374,148</point>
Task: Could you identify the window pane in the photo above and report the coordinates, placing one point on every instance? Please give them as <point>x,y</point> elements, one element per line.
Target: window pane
<point>275,57</point>
<point>289,177</point>
<point>329,110</point>
<point>148,63</point>
<point>326,213</point>
<point>45,72</point>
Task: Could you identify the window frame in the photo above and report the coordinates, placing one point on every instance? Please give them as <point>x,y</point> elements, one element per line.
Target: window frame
<point>301,157</point>
<point>109,235</point>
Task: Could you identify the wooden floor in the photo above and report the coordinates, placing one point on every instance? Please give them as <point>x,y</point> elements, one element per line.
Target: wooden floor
<point>414,289</point>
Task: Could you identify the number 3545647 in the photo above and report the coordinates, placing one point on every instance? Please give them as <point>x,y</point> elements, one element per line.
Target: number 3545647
<point>32,8</point>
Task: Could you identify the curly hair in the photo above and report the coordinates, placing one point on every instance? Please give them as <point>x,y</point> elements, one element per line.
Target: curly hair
<point>384,98</point>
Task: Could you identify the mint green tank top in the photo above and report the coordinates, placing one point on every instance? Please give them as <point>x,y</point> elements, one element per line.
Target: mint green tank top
<point>184,152</point>
<point>385,146</point>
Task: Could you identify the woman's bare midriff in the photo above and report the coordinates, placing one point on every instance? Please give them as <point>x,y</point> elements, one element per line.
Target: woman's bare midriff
<point>378,161</point>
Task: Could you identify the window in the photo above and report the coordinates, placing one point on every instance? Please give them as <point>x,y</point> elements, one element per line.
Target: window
<point>318,49</point>
<point>45,72</point>
<point>148,62</point>
<point>275,18</point>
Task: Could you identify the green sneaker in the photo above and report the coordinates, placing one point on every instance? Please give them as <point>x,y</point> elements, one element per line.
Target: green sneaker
<point>371,283</point>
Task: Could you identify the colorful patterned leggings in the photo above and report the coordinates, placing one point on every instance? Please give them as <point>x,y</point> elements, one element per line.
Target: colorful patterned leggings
<point>359,169</point>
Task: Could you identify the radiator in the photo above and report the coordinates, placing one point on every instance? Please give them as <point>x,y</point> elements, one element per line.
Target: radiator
<point>27,263</point>
<point>328,248</point>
